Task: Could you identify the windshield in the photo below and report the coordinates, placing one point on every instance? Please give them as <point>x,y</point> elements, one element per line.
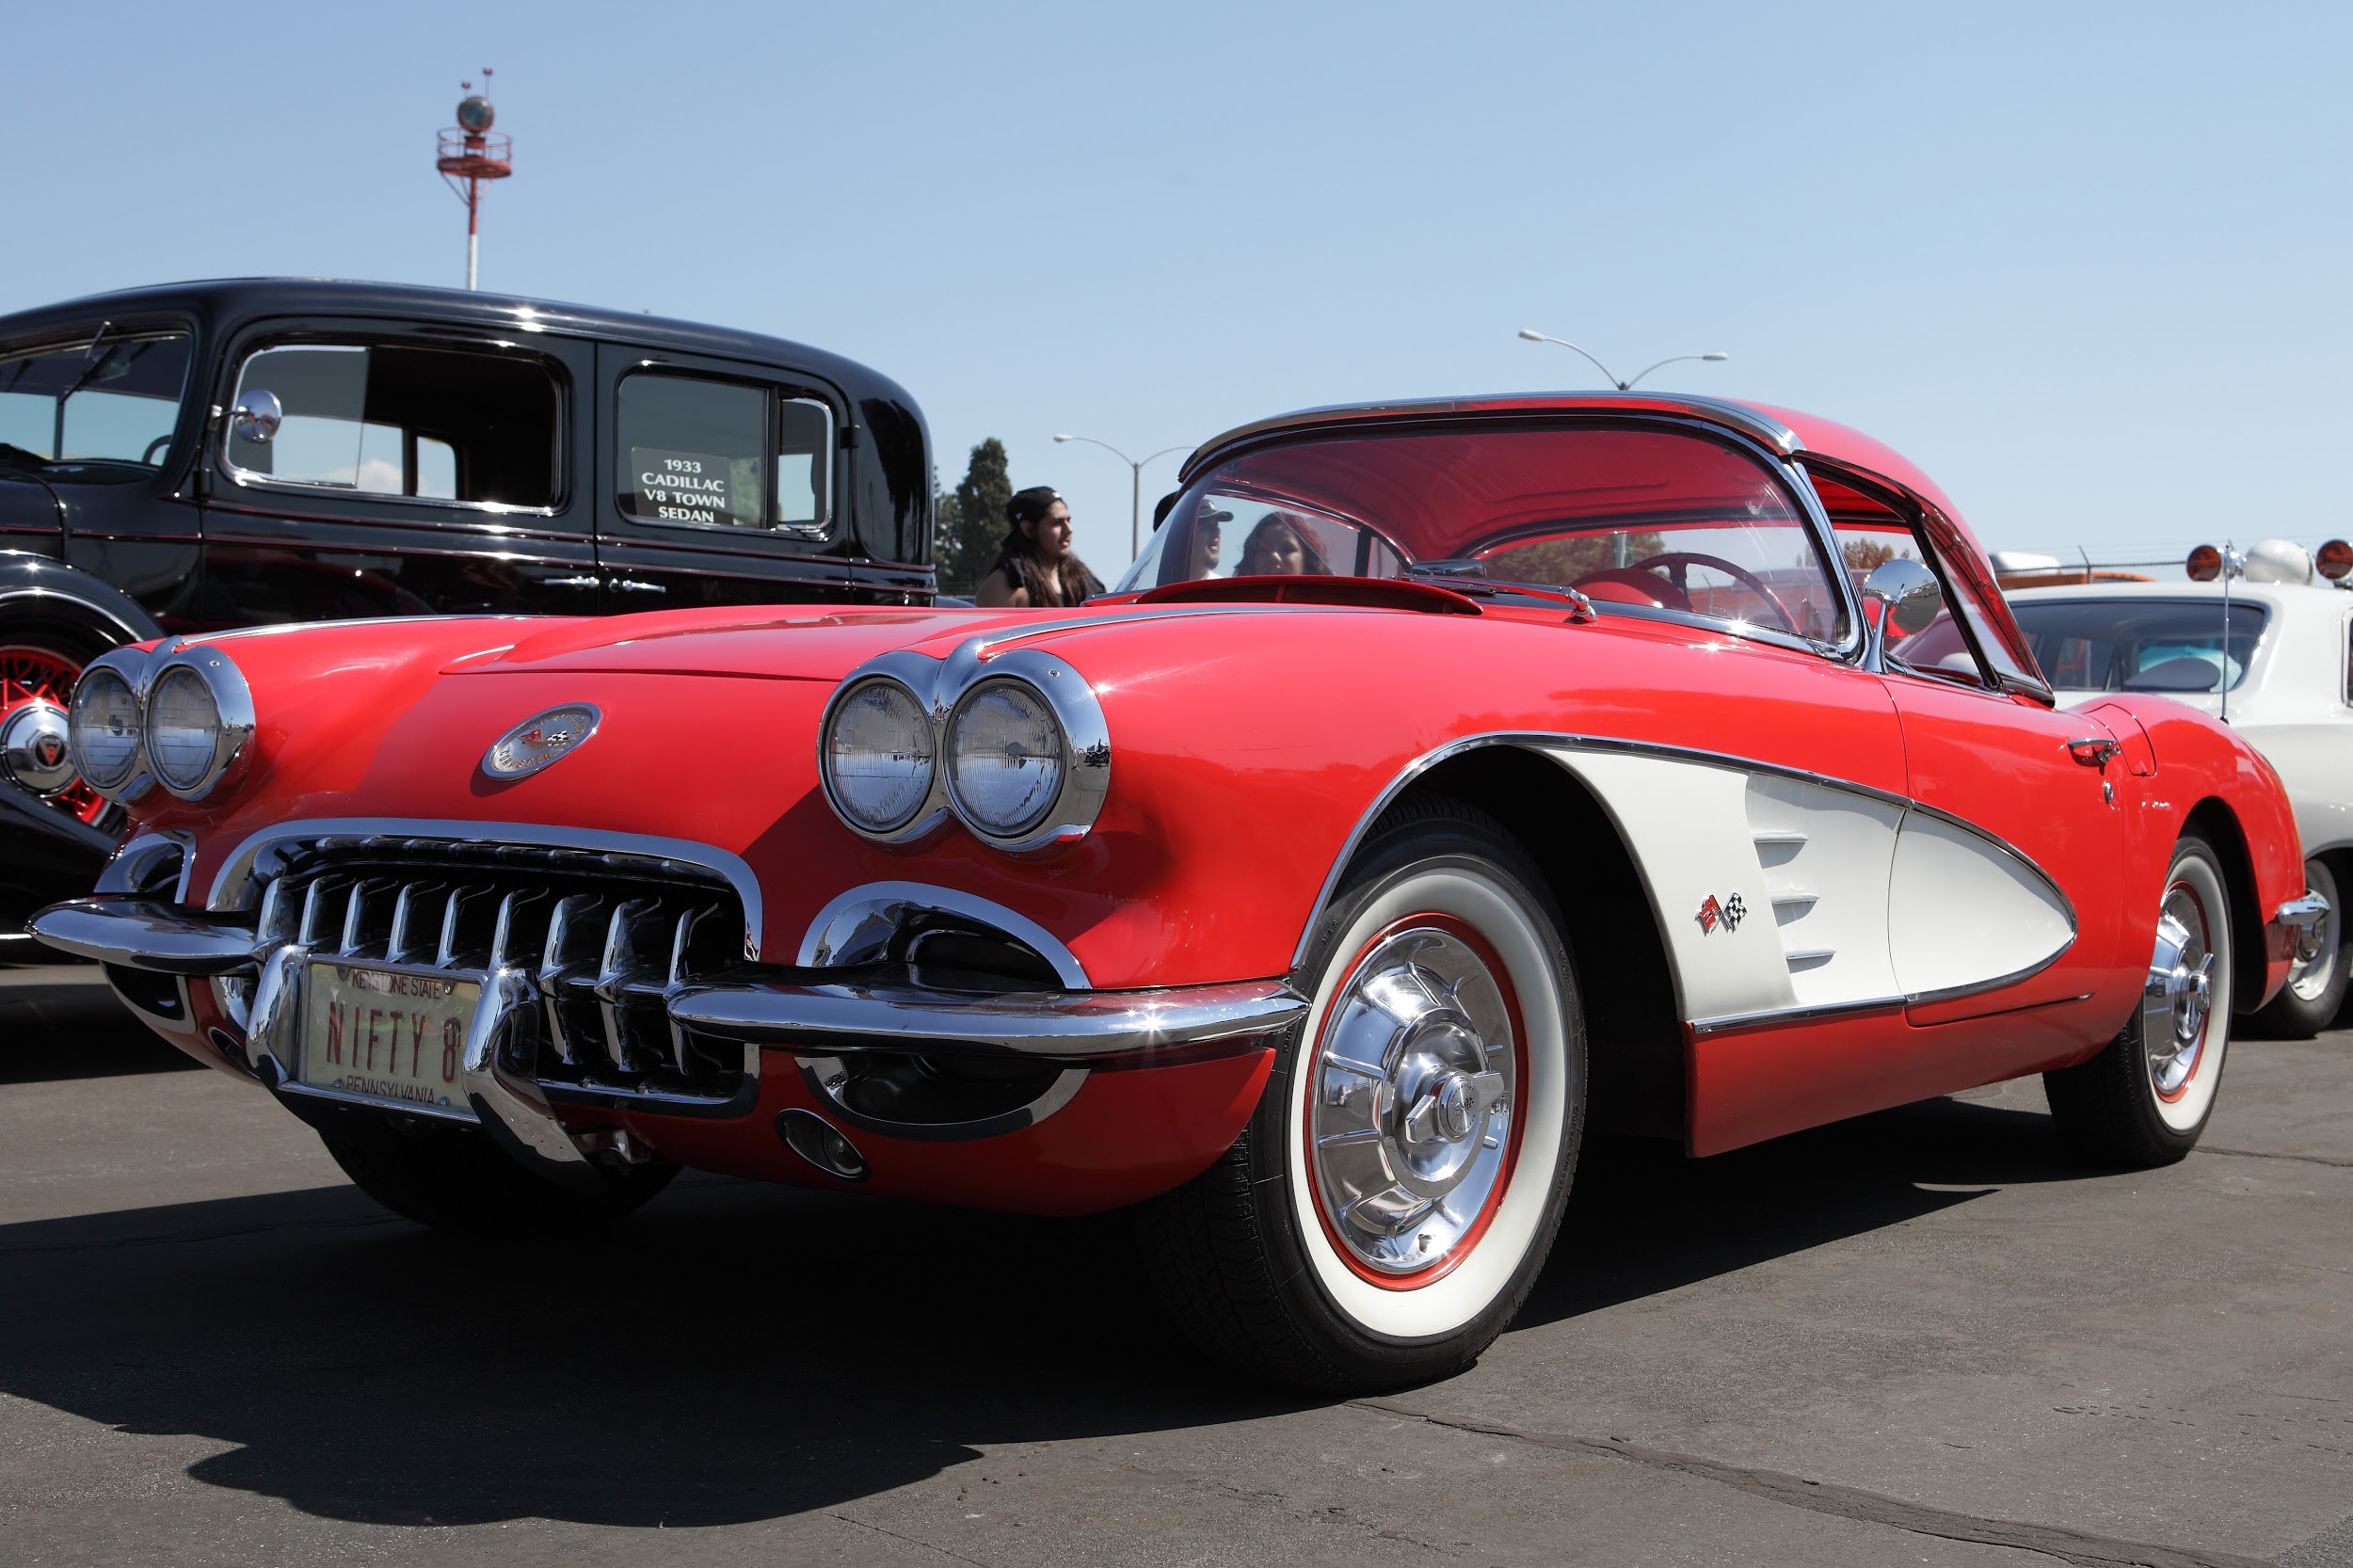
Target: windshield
<point>1642,521</point>
<point>2139,644</point>
<point>114,398</point>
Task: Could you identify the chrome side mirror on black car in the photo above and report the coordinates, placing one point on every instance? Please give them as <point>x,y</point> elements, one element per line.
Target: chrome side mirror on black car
<point>256,417</point>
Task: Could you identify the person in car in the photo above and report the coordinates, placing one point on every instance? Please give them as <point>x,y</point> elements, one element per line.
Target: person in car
<point>1036,567</point>
<point>1278,547</point>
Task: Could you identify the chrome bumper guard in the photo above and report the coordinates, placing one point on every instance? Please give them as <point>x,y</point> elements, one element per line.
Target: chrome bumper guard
<point>1074,1027</point>
<point>2302,919</point>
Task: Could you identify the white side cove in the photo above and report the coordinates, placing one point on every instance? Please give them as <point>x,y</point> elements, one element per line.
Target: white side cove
<point>1964,911</point>
<point>1847,897</point>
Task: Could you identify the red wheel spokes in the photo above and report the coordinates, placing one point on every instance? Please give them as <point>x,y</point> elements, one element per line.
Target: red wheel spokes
<point>37,674</point>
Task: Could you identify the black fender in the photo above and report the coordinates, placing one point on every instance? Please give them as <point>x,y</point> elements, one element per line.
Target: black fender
<point>33,585</point>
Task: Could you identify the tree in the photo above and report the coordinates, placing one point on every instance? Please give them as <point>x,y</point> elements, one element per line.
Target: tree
<point>971,520</point>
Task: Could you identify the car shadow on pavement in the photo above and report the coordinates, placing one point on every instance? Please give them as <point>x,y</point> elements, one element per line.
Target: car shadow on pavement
<point>738,1352</point>
<point>62,1021</point>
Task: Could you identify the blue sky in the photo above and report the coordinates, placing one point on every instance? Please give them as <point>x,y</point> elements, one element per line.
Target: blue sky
<point>2087,264</point>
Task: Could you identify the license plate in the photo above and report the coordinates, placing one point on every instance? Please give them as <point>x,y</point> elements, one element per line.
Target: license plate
<point>388,1034</point>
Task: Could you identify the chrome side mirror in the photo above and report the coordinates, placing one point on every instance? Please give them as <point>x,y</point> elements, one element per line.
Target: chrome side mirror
<point>256,417</point>
<point>1909,590</point>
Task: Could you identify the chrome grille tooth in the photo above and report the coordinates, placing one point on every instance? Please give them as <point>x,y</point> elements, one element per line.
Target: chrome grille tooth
<point>319,909</point>
<point>364,893</point>
<point>411,917</point>
<point>623,938</point>
<point>680,939</point>
<point>573,912</point>
<point>463,901</point>
<point>279,913</point>
<point>508,947</point>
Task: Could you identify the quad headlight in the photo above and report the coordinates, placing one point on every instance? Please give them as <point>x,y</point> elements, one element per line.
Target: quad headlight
<point>179,718</point>
<point>1016,748</point>
<point>104,730</point>
<point>879,756</point>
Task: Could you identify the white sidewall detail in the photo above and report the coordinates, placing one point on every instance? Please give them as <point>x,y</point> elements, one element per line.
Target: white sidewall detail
<point>2187,1112</point>
<point>1450,1302</point>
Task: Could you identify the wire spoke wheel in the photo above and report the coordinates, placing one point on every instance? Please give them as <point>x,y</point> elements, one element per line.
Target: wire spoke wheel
<point>32,674</point>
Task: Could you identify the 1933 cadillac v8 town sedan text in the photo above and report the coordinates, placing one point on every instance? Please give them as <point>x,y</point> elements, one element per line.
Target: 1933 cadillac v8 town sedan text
<point>1547,769</point>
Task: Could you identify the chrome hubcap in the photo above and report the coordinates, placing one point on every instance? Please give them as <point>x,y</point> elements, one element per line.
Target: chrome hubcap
<point>1410,1115</point>
<point>2177,1001</point>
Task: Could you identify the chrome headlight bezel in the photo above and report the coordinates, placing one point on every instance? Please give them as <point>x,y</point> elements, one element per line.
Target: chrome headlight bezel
<point>233,705</point>
<point>127,665</point>
<point>931,809</point>
<point>940,688</point>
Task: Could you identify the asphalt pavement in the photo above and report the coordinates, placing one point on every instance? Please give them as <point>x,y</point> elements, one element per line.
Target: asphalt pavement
<point>1920,1337</point>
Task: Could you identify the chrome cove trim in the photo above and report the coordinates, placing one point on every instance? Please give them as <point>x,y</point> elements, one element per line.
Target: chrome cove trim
<point>939,687</point>
<point>233,885</point>
<point>1772,1017</point>
<point>825,1076</point>
<point>1537,740</point>
<point>232,702</point>
<point>852,928</point>
<point>832,1017</point>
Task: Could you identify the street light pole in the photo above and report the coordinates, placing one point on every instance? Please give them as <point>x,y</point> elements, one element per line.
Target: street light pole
<point>1136,465</point>
<point>1534,336</point>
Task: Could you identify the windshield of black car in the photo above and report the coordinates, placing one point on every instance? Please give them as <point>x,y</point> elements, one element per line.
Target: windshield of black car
<point>2117,644</point>
<point>112,398</point>
<point>1642,520</point>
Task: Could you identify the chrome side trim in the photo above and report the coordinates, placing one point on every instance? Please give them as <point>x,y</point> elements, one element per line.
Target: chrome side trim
<point>849,929</point>
<point>1731,1021</point>
<point>138,933</point>
<point>1051,1025</point>
<point>1531,739</point>
<point>233,884</point>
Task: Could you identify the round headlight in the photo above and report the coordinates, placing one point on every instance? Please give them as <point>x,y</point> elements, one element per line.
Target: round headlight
<point>183,730</point>
<point>103,729</point>
<point>879,756</point>
<point>1004,758</point>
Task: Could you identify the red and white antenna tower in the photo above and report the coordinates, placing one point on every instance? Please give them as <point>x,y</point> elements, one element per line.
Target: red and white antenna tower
<point>471,154</point>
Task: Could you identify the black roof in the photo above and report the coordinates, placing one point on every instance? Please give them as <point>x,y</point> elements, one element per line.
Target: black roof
<point>223,302</point>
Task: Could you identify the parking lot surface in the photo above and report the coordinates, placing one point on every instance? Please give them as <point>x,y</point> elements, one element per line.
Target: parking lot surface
<point>1920,1337</point>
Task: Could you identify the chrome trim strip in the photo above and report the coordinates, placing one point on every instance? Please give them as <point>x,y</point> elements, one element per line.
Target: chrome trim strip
<point>1053,1025</point>
<point>140,934</point>
<point>1726,1022</point>
<point>841,934</point>
<point>232,885</point>
<point>1537,739</point>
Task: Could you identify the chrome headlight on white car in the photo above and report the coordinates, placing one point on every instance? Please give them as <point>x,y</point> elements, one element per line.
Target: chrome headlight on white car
<point>1015,747</point>
<point>182,717</point>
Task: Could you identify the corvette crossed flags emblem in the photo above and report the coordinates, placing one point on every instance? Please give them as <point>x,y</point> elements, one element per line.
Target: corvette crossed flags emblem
<point>1728,914</point>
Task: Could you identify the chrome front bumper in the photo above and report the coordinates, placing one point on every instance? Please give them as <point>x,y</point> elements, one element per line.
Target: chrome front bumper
<point>2299,920</point>
<point>800,1008</point>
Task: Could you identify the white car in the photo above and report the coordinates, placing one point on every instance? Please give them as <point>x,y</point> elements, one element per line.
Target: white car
<point>2284,681</point>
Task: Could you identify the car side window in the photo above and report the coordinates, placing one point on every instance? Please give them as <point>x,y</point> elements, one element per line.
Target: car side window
<point>431,424</point>
<point>699,452</point>
<point>109,399</point>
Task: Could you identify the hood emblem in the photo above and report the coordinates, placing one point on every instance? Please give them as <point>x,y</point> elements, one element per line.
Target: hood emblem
<point>541,739</point>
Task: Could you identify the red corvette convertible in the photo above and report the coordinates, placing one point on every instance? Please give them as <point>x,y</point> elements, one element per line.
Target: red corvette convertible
<point>1448,777</point>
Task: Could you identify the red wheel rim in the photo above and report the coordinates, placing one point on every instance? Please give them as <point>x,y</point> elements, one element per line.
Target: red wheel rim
<point>31,673</point>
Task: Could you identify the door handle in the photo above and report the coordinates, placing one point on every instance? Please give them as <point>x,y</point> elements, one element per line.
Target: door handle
<point>569,583</point>
<point>631,585</point>
<point>2094,751</point>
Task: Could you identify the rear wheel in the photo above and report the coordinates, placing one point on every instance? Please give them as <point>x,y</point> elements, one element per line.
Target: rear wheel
<point>1398,1188</point>
<point>2145,1099</point>
<point>455,1178</point>
<point>2309,1003</point>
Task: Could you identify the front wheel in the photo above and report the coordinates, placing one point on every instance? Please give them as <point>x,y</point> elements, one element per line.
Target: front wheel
<point>2145,1099</point>
<point>1396,1190</point>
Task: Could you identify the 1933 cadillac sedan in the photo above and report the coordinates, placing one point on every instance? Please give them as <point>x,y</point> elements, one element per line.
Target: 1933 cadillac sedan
<point>1552,764</point>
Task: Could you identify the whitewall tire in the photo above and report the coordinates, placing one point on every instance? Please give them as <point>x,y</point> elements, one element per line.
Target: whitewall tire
<point>1400,1185</point>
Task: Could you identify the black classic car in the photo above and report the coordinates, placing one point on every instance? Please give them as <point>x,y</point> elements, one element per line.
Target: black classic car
<point>187,458</point>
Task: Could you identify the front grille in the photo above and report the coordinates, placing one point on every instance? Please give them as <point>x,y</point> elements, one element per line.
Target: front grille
<point>602,936</point>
